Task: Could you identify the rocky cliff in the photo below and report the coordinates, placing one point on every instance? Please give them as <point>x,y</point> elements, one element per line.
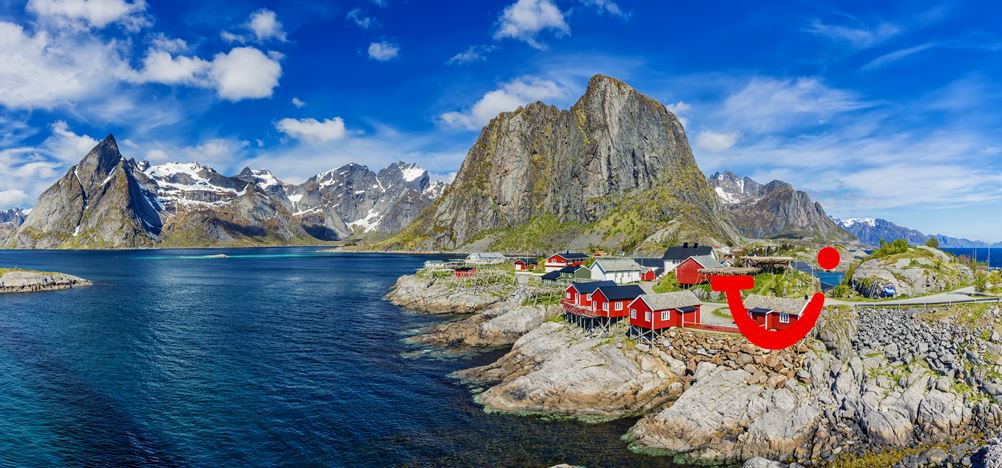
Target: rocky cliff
<point>109,201</point>
<point>615,170</point>
<point>774,210</point>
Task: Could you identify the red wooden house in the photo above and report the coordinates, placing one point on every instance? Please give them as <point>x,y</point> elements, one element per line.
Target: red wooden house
<point>652,313</point>
<point>649,274</point>
<point>465,272</point>
<point>688,273</point>
<point>566,259</point>
<point>774,313</point>
<point>525,264</point>
<point>614,301</point>
<point>578,295</point>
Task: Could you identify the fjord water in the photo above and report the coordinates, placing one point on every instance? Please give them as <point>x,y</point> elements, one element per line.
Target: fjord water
<point>266,357</point>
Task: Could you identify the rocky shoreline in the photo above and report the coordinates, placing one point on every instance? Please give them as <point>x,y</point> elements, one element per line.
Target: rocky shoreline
<point>23,281</point>
<point>870,383</point>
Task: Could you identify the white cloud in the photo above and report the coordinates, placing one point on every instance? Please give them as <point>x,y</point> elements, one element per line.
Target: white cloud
<point>716,141</point>
<point>244,73</point>
<point>265,26</point>
<point>607,6</point>
<point>525,19</point>
<point>477,53</point>
<point>13,198</point>
<point>312,129</point>
<point>897,55</point>
<point>95,13</point>
<point>67,145</point>
<point>160,41</point>
<point>510,96</point>
<point>159,66</point>
<point>861,36</point>
<point>360,19</point>
<point>156,155</point>
<point>682,110</point>
<point>298,103</point>
<point>262,26</point>
<point>766,104</point>
<point>216,150</point>
<point>383,51</point>
<point>43,71</point>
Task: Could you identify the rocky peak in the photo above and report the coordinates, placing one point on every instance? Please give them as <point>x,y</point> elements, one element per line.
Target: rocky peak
<point>732,189</point>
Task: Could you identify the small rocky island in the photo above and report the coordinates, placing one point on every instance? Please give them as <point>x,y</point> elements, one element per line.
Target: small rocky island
<point>22,281</point>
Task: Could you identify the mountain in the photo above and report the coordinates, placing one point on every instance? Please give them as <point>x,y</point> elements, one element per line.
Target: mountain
<point>871,231</point>
<point>774,210</point>
<point>614,171</point>
<point>10,220</point>
<point>109,201</point>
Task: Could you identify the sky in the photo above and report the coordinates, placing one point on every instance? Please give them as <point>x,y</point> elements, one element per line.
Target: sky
<point>877,109</point>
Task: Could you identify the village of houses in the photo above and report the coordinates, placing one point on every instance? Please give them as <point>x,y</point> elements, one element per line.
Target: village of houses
<point>597,291</point>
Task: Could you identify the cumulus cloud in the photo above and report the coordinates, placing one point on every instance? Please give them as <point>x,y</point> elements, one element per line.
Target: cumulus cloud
<point>477,53</point>
<point>508,97</point>
<point>524,20</point>
<point>262,26</point>
<point>241,73</point>
<point>13,198</point>
<point>383,51</point>
<point>716,141</point>
<point>42,71</point>
<point>312,129</point>
<point>298,103</point>
<point>67,145</point>
<point>244,73</point>
<point>94,13</point>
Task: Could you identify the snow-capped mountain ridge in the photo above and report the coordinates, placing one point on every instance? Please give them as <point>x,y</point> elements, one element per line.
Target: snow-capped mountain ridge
<point>872,231</point>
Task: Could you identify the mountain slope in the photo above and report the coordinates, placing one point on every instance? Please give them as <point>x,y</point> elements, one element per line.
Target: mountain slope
<point>774,210</point>
<point>615,170</point>
<point>871,231</point>
<point>109,201</point>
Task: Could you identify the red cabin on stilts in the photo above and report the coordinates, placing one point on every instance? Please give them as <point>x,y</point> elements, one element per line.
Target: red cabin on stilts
<point>652,313</point>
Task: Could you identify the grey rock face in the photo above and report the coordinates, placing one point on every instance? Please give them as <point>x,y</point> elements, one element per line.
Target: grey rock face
<point>576,166</point>
<point>924,270</point>
<point>354,200</point>
<point>774,210</point>
<point>109,201</point>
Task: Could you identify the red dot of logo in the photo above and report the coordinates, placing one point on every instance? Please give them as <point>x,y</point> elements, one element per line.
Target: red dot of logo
<point>829,258</point>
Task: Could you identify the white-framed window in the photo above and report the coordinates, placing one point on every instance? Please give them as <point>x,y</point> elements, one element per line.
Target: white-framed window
<point>568,294</point>
<point>587,297</point>
<point>633,314</point>
<point>605,307</point>
<point>665,315</point>
<point>619,306</point>
<point>784,318</point>
<point>647,316</point>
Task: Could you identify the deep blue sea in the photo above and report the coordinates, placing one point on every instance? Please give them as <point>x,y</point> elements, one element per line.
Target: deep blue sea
<point>982,255</point>
<point>269,357</point>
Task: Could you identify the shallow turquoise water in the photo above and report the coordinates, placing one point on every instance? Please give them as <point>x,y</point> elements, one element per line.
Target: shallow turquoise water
<point>267,357</point>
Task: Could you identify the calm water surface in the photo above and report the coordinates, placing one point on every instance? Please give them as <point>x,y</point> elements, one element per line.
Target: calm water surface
<point>268,357</point>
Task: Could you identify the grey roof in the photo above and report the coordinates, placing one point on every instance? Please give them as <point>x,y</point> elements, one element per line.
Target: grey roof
<point>680,253</point>
<point>707,261</point>
<point>672,300</point>
<point>783,305</point>
<point>588,287</point>
<point>618,264</point>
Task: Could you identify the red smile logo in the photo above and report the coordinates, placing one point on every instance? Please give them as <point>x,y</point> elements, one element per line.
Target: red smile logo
<point>731,286</point>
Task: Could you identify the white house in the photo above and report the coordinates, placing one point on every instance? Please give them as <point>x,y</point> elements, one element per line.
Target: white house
<point>486,258</point>
<point>620,270</point>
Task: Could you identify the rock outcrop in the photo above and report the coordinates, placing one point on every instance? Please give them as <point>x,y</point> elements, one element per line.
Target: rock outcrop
<point>499,325</point>
<point>20,281</point>
<point>615,169</point>
<point>431,295</point>
<point>919,271</point>
<point>559,369</point>
<point>774,210</point>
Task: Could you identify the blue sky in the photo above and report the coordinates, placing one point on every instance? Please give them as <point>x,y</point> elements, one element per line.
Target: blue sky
<point>886,109</point>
